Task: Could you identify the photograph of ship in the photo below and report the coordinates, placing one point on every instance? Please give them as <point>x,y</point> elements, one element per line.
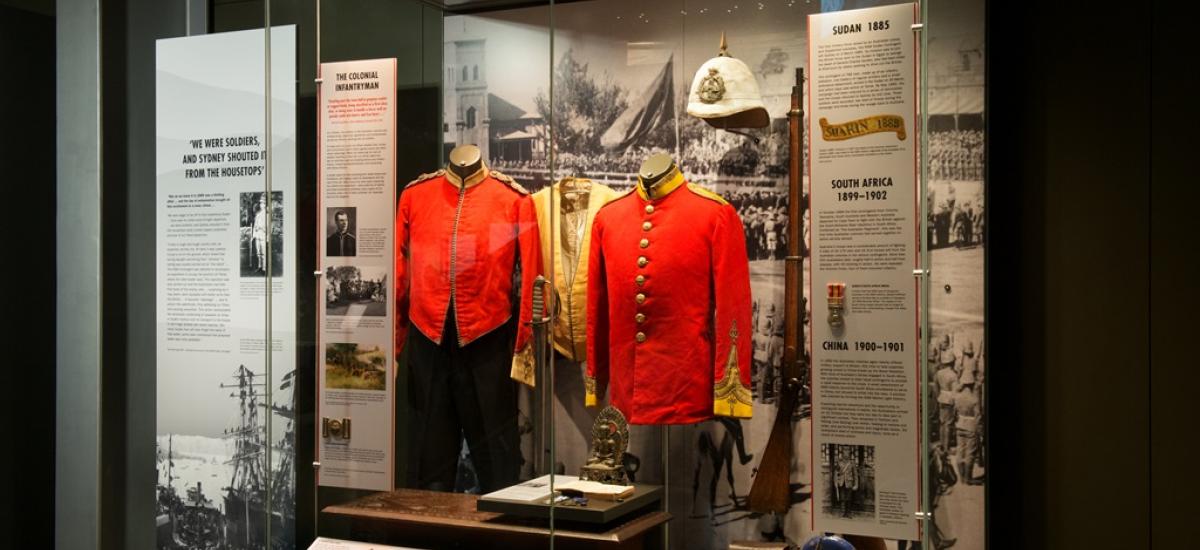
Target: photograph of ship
<point>350,367</point>
<point>218,493</point>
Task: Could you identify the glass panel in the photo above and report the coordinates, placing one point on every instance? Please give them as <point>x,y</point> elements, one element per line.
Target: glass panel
<point>465,252</point>
<point>953,167</point>
<point>569,100</point>
<point>226,250</point>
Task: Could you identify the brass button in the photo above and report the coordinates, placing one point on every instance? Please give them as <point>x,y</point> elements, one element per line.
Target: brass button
<point>649,208</point>
<point>646,225</point>
<point>642,261</point>
<point>641,298</point>
<point>641,337</point>
<point>640,318</point>
<point>644,243</point>
<point>640,280</point>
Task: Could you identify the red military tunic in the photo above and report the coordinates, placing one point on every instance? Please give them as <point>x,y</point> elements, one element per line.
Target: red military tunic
<point>669,306</point>
<point>461,240</point>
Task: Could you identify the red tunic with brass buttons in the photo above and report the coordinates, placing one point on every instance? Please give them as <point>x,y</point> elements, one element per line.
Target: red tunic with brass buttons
<point>460,240</point>
<point>669,306</point>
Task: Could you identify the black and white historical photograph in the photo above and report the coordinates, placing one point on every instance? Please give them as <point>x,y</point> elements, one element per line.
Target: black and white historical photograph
<point>261,246</point>
<point>848,473</point>
<point>213,476</point>
<point>340,231</point>
<point>355,291</point>
<point>621,82</point>
<point>956,242</point>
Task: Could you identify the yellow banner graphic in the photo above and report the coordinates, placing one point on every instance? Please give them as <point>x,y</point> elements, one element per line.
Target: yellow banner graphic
<point>862,127</point>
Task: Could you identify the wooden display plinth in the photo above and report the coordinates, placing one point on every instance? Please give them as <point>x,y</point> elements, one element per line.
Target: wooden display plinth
<point>429,519</point>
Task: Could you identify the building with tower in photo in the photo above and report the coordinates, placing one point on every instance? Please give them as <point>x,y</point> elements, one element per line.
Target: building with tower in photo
<point>502,130</point>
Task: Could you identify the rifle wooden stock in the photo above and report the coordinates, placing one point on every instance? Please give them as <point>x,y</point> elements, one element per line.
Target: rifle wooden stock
<point>771,491</point>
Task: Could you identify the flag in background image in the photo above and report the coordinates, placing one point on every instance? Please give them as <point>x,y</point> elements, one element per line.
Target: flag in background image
<point>645,112</point>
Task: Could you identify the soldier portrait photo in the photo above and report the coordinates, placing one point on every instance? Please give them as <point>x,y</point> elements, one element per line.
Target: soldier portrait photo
<point>848,472</point>
<point>255,236</point>
<point>340,239</point>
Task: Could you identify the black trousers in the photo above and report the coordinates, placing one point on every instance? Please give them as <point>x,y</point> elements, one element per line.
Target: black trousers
<point>457,392</point>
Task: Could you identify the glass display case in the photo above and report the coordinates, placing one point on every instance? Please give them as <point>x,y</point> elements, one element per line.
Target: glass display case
<point>608,273</point>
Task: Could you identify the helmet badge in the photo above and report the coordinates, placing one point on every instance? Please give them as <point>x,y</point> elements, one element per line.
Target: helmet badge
<point>712,87</point>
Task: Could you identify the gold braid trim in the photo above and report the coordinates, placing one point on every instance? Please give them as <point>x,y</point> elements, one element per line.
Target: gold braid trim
<point>426,177</point>
<point>706,193</point>
<point>730,396</point>
<point>589,388</point>
<point>505,178</point>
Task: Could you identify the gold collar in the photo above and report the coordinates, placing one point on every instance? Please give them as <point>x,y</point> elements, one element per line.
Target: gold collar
<point>471,180</point>
<point>671,182</point>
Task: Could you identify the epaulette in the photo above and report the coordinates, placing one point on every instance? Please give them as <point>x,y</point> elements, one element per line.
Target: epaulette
<point>426,177</point>
<point>620,195</point>
<point>511,182</point>
<point>710,195</point>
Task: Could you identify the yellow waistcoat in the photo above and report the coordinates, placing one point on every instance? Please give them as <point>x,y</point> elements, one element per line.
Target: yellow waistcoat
<point>570,328</point>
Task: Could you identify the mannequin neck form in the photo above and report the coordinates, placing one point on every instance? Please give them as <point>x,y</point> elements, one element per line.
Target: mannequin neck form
<point>465,172</point>
<point>661,186</point>
<point>466,166</point>
<point>657,179</point>
<point>658,176</point>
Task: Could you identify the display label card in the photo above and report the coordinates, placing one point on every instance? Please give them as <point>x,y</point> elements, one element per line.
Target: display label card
<point>323,543</point>
<point>356,218</point>
<point>862,121</point>
<point>532,490</point>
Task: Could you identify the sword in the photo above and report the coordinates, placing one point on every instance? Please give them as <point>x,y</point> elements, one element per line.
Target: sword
<point>541,325</point>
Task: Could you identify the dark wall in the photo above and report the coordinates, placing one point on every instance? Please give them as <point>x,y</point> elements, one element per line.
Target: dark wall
<point>1086,275</point>
<point>27,161</point>
<point>130,28</point>
<point>1174,273</point>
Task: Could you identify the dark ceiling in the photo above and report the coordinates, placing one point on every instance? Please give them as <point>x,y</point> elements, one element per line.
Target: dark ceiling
<point>44,7</point>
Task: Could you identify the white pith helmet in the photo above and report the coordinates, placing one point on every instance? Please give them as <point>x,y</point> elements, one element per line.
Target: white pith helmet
<point>725,94</point>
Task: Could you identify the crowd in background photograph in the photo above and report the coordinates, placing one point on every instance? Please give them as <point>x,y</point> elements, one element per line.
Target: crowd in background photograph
<point>956,155</point>
<point>765,221</point>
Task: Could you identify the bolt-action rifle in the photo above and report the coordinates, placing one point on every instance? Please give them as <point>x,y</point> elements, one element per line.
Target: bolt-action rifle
<point>771,491</point>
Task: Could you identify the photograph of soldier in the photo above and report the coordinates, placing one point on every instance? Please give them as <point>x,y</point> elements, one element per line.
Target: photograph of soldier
<point>947,382</point>
<point>356,291</point>
<point>967,414</point>
<point>341,228</point>
<point>848,473</point>
<point>255,236</point>
<point>955,211</point>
